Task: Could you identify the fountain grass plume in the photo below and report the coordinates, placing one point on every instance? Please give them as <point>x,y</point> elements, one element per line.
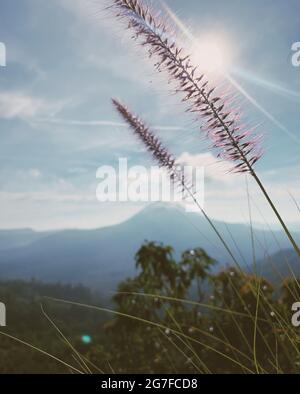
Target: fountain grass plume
<point>233,141</point>
<point>153,145</point>
<point>221,123</point>
<point>165,160</point>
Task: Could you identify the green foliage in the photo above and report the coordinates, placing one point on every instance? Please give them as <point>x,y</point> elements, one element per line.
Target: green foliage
<point>26,321</point>
<point>236,325</point>
<point>139,347</point>
<point>172,317</point>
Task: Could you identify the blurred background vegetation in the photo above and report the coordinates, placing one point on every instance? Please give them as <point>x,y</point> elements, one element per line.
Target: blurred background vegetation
<point>171,317</point>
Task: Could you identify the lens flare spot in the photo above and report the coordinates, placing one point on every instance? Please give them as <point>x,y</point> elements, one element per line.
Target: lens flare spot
<point>86,339</point>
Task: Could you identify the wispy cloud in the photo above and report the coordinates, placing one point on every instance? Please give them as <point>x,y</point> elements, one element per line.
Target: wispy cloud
<point>97,123</point>
<point>272,86</point>
<point>215,170</point>
<point>73,122</point>
<point>225,194</point>
<point>18,104</point>
<point>47,196</point>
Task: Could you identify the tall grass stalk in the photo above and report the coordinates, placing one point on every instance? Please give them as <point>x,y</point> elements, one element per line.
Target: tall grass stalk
<point>221,123</point>
<point>165,160</point>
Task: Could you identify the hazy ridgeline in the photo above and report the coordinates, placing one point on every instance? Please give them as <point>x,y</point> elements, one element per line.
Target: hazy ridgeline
<point>101,258</point>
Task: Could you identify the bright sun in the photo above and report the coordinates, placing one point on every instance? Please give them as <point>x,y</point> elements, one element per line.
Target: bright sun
<point>211,54</point>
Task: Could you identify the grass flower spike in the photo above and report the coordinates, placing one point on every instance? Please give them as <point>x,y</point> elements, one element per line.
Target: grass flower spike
<point>150,141</point>
<point>165,160</point>
<point>222,125</point>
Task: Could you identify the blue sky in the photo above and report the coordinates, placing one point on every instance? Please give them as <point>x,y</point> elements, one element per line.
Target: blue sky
<point>66,59</point>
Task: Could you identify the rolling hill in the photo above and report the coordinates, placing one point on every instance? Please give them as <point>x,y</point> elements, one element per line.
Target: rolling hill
<point>101,258</point>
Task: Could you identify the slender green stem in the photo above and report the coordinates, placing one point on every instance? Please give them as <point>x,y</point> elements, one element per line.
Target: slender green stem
<point>286,230</point>
<point>236,145</point>
<point>255,326</point>
<point>251,227</point>
<point>209,221</point>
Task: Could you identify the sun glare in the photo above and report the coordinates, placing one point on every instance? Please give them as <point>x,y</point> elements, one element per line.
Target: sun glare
<point>211,54</point>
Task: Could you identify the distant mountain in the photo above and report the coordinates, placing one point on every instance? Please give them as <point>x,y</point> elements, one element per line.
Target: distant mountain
<point>101,258</point>
<point>17,238</point>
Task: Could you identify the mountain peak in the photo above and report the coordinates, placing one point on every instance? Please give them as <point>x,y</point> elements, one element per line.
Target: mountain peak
<point>162,206</point>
